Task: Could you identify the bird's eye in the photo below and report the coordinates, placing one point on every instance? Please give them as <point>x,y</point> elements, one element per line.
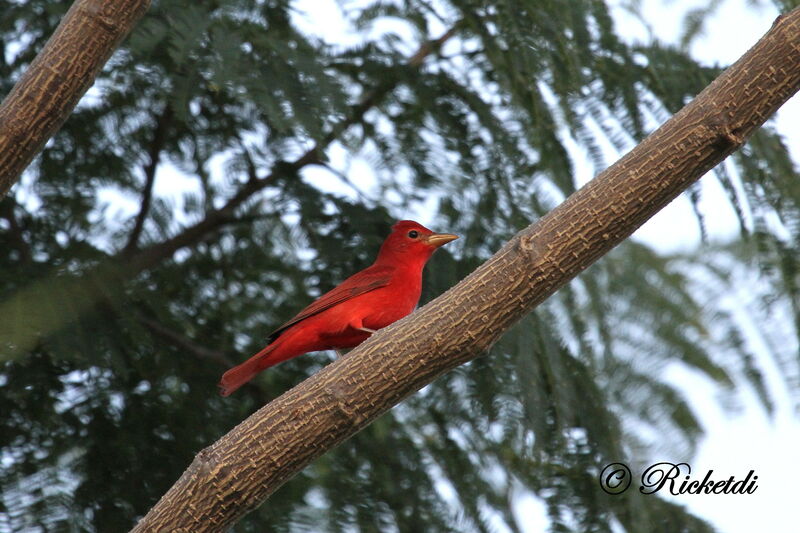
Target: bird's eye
<point>413,234</point>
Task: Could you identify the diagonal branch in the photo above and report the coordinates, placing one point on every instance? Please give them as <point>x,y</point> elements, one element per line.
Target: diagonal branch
<point>215,219</point>
<point>50,88</point>
<point>184,343</point>
<point>191,347</point>
<point>154,155</point>
<point>244,467</point>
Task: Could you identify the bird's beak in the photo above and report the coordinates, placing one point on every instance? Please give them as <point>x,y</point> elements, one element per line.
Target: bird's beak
<point>439,239</point>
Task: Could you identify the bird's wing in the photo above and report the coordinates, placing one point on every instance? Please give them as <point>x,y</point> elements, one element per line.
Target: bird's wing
<point>369,279</point>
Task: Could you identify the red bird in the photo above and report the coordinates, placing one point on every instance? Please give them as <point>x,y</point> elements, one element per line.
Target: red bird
<point>363,303</point>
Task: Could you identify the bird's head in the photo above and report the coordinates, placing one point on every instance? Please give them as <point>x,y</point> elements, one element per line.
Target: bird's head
<point>411,241</point>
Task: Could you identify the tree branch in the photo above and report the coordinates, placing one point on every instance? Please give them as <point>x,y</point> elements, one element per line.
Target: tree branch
<point>50,88</point>
<point>215,219</point>
<point>199,351</point>
<point>184,343</point>
<point>153,154</point>
<point>244,467</point>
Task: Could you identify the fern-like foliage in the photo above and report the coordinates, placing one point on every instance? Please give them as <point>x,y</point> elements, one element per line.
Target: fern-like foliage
<point>111,346</point>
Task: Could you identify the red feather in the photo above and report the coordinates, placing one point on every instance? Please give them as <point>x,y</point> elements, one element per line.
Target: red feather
<point>341,318</point>
<point>370,278</point>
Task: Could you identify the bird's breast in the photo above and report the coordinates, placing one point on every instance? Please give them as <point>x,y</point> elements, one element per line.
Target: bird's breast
<point>375,309</point>
<point>390,304</point>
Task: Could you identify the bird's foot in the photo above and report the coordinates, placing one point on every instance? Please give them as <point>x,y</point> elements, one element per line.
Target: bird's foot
<point>367,330</point>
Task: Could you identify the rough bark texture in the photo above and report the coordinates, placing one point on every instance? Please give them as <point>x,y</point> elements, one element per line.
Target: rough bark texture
<point>48,91</point>
<point>245,466</point>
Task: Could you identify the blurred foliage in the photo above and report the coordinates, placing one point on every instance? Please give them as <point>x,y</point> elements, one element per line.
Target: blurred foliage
<point>112,343</point>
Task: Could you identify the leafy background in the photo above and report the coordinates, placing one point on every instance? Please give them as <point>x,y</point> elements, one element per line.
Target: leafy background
<point>233,161</point>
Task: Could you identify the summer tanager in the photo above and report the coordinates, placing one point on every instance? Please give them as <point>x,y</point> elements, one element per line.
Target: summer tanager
<point>363,303</point>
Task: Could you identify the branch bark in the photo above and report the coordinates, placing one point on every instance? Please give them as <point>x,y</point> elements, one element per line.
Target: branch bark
<point>50,88</point>
<point>244,467</point>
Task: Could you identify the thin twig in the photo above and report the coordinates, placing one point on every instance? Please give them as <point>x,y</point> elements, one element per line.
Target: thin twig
<point>216,218</point>
<point>183,342</point>
<point>154,155</point>
<point>189,346</point>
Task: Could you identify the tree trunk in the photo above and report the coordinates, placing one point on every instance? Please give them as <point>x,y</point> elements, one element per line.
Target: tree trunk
<point>50,88</point>
<point>245,466</point>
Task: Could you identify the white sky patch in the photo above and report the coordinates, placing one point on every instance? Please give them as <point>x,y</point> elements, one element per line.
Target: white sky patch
<point>749,439</point>
<point>171,182</point>
<point>734,445</point>
<point>740,436</point>
<point>326,20</point>
<point>348,176</point>
<point>675,228</point>
<point>116,208</point>
<point>529,510</point>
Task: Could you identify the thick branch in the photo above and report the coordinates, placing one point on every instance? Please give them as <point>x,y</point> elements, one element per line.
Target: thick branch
<point>218,217</point>
<point>248,464</point>
<point>50,88</point>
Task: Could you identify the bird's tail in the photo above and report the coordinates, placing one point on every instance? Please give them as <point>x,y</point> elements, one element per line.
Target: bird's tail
<point>241,374</point>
